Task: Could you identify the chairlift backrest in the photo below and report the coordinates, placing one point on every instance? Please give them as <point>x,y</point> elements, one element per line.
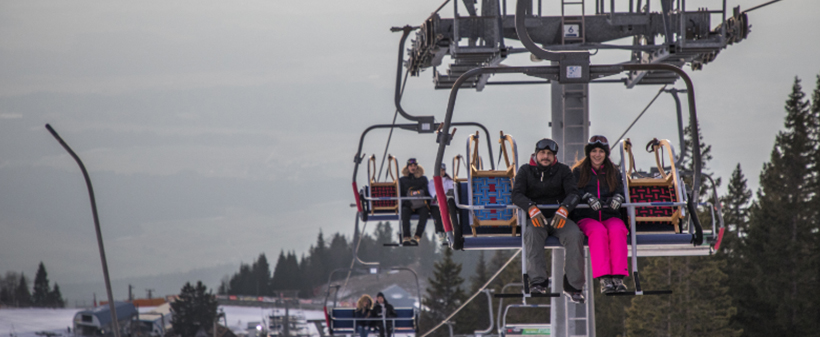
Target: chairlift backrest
<point>492,188</point>
<point>386,189</point>
<point>665,188</point>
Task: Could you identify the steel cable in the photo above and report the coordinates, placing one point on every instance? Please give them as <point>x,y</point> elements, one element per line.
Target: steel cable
<point>390,136</point>
<point>639,117</point>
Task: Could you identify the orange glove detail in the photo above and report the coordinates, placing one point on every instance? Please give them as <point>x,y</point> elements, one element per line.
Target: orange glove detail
<point>538,219</point>
<point>560,218</point>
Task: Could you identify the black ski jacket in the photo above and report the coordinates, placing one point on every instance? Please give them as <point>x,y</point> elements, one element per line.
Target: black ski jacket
<point>598,187</point>
<point>537,185</point>
<point>377,313</point>
<point>416,183</point>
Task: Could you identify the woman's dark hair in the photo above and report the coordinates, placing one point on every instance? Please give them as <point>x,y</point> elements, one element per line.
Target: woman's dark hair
<point>610,170</point>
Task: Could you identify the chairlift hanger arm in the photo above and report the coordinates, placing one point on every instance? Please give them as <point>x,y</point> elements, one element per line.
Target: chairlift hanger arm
<point>397,98</point>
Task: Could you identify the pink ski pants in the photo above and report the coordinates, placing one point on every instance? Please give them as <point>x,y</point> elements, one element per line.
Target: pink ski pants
<point>607,246</point>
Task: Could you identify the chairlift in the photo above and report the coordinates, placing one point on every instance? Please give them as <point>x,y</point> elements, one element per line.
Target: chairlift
<point>380,200</point>
<point>342,321</point>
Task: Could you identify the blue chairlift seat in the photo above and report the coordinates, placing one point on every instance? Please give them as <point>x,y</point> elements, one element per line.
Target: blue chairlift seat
<point>491,189</point>
<point>342,321</point>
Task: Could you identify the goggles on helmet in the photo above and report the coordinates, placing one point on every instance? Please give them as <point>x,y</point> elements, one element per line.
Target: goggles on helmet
<point>548,144</point>
<point>598,139</point>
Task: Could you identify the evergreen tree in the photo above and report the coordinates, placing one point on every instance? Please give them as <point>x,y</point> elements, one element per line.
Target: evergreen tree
<point>224,285</point>
<point>735,213</point>
<point>426,255</point>
<point>296,276</point>
<point>815,188</point>
<point>444,295</point>
<point>339,253</point>
<point>22,296</point>
<point>8,288</point>
<point>736,220</point>
<point>194,309</point>
<point>318,261</point>
<point>261,276</point>
<point>55,297</point>
<point>781,244</point>
<point>280,274</point>
<point>476,315</point>
<point>41,288</point>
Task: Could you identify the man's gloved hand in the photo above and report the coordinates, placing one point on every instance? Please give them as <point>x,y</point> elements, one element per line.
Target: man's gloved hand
<point>538,219</point>
<point>616,201</point>
<point>592,201</point>
<point>560,218</point>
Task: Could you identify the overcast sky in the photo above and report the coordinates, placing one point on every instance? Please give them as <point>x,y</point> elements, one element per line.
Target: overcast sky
<point>215,131</point>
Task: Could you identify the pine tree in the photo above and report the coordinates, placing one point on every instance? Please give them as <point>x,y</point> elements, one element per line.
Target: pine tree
<point>39,298</point>
<point>55,298</point>
<point>814,255</point>
<point>476,315</point>
<point>426,254</point>
<point>736,219</point>
<point>279,280</point>
<point>444,295</point>
<point>22,296</point>
<point>339,253</point>
<point>735,212</point>
<point>780,298</point>
<point>8,287</point>
<point>261,276</point>
<point>194,309</point>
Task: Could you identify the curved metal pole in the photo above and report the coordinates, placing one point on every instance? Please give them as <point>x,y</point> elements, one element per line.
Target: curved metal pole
<point>693,117</point>
<point>397,97</point>
<point>111,305</point>
<point>674,92</point>
<point>356,250</point>
<point>501,302</point>
<point>490,306</point>
<point>448,117</point>
<point>524,35</point>
<point>418,287</point>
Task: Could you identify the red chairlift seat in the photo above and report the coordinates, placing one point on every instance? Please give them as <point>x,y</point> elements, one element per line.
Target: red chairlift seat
<point>667,188</point>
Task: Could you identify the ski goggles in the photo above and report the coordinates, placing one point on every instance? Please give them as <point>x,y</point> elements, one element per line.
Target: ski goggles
<point>412,161</point>
<point>546,144</point>
<point>598,139</point>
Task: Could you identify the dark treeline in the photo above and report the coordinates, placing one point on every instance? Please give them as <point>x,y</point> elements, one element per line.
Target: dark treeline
<point>14,291</point>
<point>309,271</point>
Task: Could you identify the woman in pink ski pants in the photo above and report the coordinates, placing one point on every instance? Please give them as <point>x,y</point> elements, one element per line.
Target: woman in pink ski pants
<point>600,183</point>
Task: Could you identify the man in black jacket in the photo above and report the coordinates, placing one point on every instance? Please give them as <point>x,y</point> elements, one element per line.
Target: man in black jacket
<point>546,181</point>
<point>383,310</point>
<point>413,184</point>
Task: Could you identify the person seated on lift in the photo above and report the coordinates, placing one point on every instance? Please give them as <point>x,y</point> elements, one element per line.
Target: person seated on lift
<point>413,184</point>
<point>546,181</point>
<point>383,310</point>
<point>601,183</point>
